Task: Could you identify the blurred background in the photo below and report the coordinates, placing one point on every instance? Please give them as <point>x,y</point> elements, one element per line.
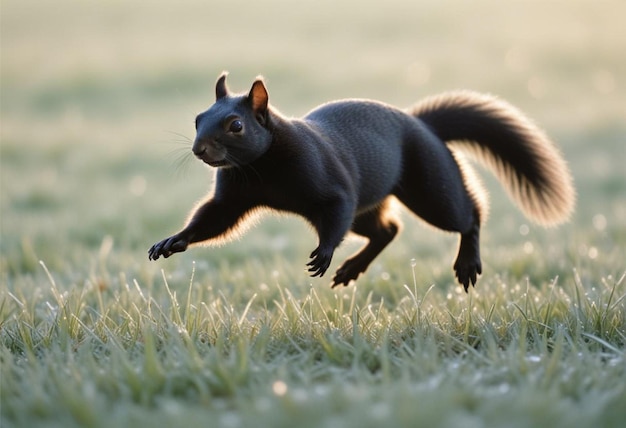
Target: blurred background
<point>98,101</point>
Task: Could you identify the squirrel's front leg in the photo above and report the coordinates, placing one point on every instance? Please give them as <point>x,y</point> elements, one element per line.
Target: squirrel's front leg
<point>215,218</point>
<point>332,223</point>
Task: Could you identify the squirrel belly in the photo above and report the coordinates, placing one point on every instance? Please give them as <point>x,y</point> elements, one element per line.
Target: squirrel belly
<point>339,166</point>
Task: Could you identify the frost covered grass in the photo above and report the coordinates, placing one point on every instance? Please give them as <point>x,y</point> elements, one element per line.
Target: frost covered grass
<point>97,109</point>
<point>172,354</point>
<point>191,355</point>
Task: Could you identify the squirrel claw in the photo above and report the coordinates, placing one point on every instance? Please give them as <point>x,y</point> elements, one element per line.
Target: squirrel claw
<point>467,274</point>
<point>167,247</point>
<point>320,262</point>
<point>349,271</point>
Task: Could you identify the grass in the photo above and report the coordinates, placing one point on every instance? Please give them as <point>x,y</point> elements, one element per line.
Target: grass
<point>97,104</point>
<point>96,356</point>
<point>93,356</point>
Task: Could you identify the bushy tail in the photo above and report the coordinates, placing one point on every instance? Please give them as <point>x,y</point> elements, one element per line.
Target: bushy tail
<point>494,132</point>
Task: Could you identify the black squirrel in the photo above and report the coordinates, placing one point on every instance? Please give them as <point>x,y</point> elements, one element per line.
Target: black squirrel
<point>341,164</point>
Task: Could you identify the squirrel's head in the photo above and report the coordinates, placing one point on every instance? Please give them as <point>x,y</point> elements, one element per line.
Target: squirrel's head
<point>233,132</point>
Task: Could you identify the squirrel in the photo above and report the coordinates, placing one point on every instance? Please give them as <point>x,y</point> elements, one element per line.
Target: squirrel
<point>341,165</point>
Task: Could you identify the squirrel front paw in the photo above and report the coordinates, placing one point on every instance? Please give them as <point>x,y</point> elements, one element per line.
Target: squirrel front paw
<point>320,261</point>
<point>167,247</point>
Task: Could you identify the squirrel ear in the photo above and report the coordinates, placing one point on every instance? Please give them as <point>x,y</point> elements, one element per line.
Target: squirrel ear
<point>258,97</point>
<point>221,90</point>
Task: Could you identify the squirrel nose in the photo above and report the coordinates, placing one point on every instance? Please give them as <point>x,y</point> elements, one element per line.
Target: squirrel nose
<point>199,147</point>
<point>198,150</point>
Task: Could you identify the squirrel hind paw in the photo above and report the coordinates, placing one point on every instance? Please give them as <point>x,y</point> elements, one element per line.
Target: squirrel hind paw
<point>467,273</point>
<point>348,272</point>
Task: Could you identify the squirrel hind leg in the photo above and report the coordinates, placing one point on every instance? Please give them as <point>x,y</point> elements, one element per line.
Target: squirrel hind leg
<point>468,266</point>
<point>380,226</point>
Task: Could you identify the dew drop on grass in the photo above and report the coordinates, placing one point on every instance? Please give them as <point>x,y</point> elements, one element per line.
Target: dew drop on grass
<point>528,247</point>
<point>502,389</point>
<point>53,309</point>
<point>105,247</point>
<point>599,222</point>
<point>279,388</point>
<point>524,229</point>
<point>321,390</point>
<point>534,358</point>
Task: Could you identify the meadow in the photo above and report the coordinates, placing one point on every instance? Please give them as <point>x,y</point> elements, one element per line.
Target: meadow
<point>96,116</point>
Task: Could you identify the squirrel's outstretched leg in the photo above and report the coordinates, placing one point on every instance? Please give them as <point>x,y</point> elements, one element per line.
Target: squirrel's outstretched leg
<point>380,226</point>
<point>213,219</point>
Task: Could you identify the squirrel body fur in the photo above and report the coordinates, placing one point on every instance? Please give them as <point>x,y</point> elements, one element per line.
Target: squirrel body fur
<point>340,165</point>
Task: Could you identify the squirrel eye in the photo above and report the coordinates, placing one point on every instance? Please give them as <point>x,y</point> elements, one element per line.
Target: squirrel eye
<point>236,126</point>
